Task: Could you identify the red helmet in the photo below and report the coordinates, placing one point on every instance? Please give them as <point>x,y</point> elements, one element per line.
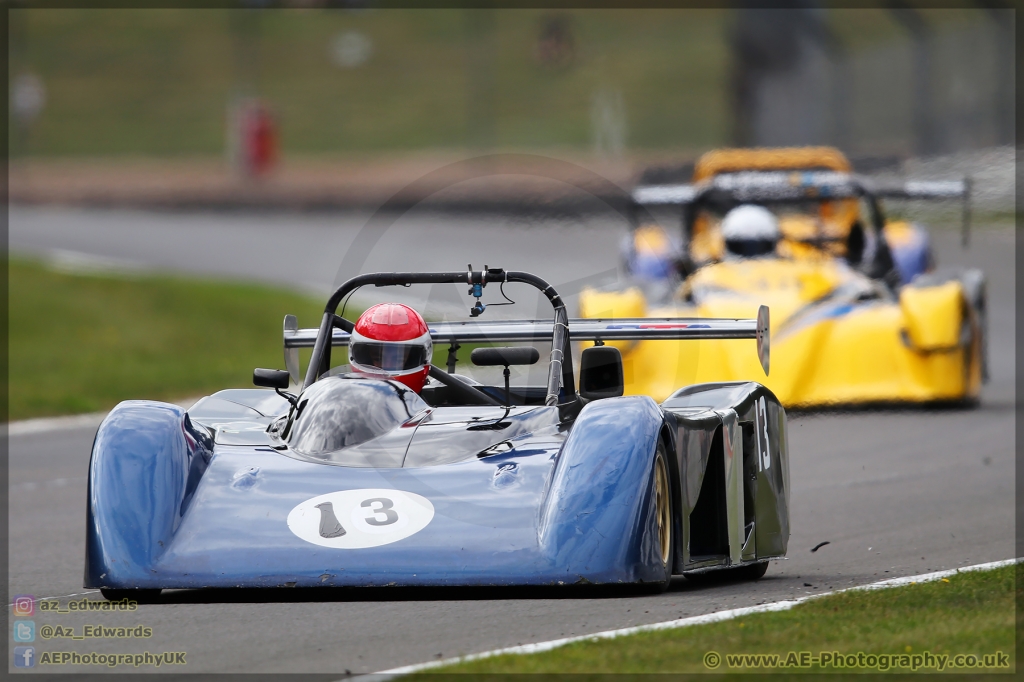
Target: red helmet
<point>391,340</point>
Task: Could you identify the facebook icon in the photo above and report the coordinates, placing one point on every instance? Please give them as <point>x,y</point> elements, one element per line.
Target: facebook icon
<point>24,657</point>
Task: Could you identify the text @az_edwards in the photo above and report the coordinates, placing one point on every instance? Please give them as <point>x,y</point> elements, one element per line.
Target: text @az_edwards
<point>95,632</point>
<point>112,660</point>
<point>860,660</point>
<point>80,605</point>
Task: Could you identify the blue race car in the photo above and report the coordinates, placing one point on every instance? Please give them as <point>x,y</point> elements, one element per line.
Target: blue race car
<point>355,481</point>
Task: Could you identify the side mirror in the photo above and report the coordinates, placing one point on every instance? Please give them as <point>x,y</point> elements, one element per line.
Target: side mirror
<point>601,373</point>
<point>271,378</point>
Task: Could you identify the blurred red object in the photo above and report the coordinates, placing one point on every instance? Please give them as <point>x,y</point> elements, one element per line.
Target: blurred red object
<point>255,132</point>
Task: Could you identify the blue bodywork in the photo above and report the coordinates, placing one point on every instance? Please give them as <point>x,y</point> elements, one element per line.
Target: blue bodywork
<point>201,498</point>
<point>912,255</point>
<point>360,481</point>
<point>172,507</point>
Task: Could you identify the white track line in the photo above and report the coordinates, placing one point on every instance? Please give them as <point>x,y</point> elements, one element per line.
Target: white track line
<point>78,421</point>
<point>680,623</point>
<point>51,483</point>
<point>47,424</point>
<point>61,596</point>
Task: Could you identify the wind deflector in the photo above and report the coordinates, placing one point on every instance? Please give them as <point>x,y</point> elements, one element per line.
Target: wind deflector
<point>341,412</point>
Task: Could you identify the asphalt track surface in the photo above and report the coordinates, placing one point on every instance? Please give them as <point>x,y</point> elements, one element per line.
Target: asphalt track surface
<point>895,493</point>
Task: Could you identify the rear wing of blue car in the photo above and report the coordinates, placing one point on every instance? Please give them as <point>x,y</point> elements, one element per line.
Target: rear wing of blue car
<point>783,186</point>
<point>531,331</point>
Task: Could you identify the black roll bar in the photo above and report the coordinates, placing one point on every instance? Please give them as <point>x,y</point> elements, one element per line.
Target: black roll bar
<point>560,372</point>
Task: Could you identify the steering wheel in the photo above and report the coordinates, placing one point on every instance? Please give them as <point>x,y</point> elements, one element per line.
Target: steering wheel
<point>470,394</point>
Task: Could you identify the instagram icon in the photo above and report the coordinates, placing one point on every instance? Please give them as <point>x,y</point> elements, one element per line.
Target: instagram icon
<point>24,605</point>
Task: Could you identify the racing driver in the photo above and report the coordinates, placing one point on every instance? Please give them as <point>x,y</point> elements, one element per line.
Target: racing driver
<point>749,231</point>
<point>391,341</point>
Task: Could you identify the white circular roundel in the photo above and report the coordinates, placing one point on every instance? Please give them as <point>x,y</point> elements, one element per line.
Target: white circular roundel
<point>356,519</point>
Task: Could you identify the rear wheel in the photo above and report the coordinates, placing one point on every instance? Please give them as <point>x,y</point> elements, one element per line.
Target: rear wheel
<point>662,492</point>
<point>980,307</point>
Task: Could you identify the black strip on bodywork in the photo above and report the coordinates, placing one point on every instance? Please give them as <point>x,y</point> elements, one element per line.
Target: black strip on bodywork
<point>709,533</point>
<point>749,477</point>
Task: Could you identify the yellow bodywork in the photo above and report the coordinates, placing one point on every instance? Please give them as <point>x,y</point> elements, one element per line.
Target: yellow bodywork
<point>836,336</point>
<point>737,159</point>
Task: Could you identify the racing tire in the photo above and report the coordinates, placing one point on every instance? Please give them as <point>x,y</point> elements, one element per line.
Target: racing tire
<point>661,489</point>
<point>140,596</point>
<point>980,303</point>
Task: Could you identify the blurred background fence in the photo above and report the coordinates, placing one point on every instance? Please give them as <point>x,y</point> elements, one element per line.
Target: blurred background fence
<point>941,87</point>
<point>185,103</point>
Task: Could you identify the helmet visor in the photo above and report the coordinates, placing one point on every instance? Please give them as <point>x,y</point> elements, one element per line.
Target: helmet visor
<point>390,357</point>
<point>750,247</point>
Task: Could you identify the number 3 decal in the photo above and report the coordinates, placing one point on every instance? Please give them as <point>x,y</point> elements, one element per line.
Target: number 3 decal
<point>761,426</point>
<point>386,508</point>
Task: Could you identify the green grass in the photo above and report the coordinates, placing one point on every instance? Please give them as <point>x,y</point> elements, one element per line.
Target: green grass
<point>84,342</point>
<point>81,343</point>
<point>158,81</point>
<point>971,613</point>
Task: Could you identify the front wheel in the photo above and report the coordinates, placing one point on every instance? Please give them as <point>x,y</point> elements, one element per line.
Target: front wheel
<point>662,493</point>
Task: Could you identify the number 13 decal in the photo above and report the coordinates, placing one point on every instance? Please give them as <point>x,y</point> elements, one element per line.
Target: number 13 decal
<point>360,518</point>
<point>761,426</point>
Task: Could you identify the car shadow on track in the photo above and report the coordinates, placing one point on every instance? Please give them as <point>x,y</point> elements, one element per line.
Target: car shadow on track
<point>680,585</point>
<point>892,408</point>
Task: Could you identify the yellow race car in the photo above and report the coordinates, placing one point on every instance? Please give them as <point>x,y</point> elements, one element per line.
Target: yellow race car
<point>846,327</point>
<point>809,230</point>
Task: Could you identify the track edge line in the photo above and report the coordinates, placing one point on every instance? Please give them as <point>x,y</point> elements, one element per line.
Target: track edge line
<point>714,617</point>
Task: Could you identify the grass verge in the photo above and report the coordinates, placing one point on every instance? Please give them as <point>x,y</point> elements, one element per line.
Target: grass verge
<point>970,614</point>
<point>81,343</point>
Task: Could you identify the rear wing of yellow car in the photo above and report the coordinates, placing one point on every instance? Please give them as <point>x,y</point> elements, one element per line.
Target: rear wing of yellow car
<point>527,331</point>
<point>784,186</point>
<point>933,190</point>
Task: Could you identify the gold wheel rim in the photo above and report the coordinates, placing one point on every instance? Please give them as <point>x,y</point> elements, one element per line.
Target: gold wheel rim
<point>662,508</point>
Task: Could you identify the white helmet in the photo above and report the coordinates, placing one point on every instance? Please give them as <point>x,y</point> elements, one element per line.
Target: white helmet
<point>750,230</point>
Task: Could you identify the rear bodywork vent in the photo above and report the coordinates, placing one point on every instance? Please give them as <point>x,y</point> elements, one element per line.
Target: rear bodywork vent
<point>709,534</point>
